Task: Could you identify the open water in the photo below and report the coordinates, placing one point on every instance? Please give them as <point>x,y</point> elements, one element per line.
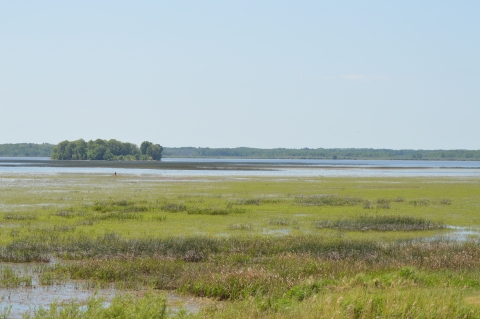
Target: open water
<point>262,167</point>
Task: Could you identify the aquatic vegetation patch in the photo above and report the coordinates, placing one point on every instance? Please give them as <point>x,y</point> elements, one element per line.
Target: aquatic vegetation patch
<point>10,279</point>
<point>381,203</point>
<point>122,306</point>
<point>256,201</point>
<point>240,226</point>
<point>420,202</point>
<point>119,206</point>
<point>326,200</point>
<point>379,223</point>
<point>215,211</point>
<point>174,207</point>
<point>16,216</point>
<point>278,221</point>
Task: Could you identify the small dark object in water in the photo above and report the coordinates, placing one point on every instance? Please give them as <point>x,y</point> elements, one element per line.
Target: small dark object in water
<point>115,173</point>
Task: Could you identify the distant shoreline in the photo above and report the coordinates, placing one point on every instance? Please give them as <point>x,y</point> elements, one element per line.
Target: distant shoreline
<point>218,164</point>
<point>45,150</point>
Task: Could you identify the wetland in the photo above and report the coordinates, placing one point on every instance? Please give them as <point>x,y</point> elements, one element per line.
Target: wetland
<point>229,246</point>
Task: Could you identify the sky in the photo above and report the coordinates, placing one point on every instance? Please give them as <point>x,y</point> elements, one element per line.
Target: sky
<point>266,74</point>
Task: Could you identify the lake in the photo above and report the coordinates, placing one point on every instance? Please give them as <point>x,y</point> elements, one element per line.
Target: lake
<point>245,167</point>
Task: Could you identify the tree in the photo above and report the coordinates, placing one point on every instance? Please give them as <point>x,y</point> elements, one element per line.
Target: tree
<point>144,147</point>
<point>155,151</point>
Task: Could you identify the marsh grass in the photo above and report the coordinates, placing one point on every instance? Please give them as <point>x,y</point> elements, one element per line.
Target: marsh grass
<point>149,306</point>
<point>445,202</point>
<point>118,215</point>
<point>159,218</point>
<point>106,233</point>
<point>379,223</point>
<point>326,200</point>
<point>10,279</point>
<point>256,201</point>
<point>420,202</point>
<point>69,213</point>
<point>174,207</point>
<point>240,227</point>
<point>215,211</point>
<point>20,217</point>
<point>278,221</point>
<point>117,206</point>
<point>383,203</point>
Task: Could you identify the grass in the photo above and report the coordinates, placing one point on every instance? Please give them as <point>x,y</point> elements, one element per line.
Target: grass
<point>10,279</point>
<point>219,238</point>
<point>379,223</point>
<point>122,306</point>
<point>327,200</point>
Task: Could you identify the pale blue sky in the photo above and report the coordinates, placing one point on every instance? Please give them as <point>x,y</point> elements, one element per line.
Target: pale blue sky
<point>293,74</point>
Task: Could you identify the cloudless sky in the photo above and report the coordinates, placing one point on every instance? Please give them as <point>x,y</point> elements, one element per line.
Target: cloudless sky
<point>374,74</point>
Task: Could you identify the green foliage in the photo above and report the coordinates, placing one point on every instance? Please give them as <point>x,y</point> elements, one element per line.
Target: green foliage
<point>110,150</point>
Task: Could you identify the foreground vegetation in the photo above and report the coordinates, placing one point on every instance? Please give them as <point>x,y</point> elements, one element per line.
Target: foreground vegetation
<point>258,247</point>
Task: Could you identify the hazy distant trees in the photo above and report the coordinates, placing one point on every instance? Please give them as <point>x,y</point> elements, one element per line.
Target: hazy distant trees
<point>322,153</point>
<point>26,150</point>
<point>110,150</point>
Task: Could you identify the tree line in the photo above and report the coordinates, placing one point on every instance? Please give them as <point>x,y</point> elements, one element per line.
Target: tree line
<point>26,150</point>
<point>322,153</point>
<point>111,150</point>
<point>115,150</point>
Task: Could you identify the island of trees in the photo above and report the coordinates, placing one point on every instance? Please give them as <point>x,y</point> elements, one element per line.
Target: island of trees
<point>111,150</point>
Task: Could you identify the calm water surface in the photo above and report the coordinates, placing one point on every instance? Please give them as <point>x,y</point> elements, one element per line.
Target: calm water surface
<point>267,167</point>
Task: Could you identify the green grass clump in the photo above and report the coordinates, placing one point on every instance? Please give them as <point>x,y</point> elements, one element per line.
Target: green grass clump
<point>16,216</point>
<point>215,211</point>
<point>282,221</point>
<point>379,223</point>
<point>118,206</point>
<point>9,279</point>
<point>420,202</point>
<point>173,207</point>
<point>256,201</point>
<point>326,200</point>
<point>119,216</point>
<point>240,227</point>
<point>446,202</point>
